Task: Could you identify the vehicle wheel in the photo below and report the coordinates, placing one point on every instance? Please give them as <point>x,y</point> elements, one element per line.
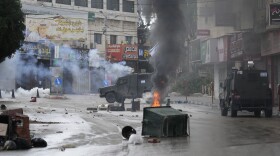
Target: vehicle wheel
<point>268,113</point>
<point>110,97</point>
<point>257,113</point>
<point>224,111</point>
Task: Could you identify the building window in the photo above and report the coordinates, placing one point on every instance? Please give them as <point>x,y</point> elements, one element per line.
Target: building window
<point>113,39</point>
<point>128,6</point>
<point>113,5</point>
<point>97,38</point>
<point>128,39</point>
<point>67,2</point>
<point>83,3</point>
<point>97,4</point>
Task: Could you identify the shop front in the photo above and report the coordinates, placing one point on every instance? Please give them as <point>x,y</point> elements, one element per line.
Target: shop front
<point>270,50</point>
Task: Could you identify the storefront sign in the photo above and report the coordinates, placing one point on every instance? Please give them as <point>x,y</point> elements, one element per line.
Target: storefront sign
<point>245,46</point>
<point>143,53</point>
<point>222,48</point>
<point>130,52</point>
<point>209,51</point>
<point>114,52</point>
<point>274,14</point>
<point>270,43</point>
<point>203,32</point>
<point>195,50</point>
<point>119,52</point>
<point>236,45</point>
<point>50,27</point>
<point>39,50</point>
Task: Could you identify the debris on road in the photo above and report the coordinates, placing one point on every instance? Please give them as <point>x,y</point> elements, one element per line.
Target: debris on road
<point>33,99</point>
<point>153,140</point>
<point>127,131</point>
<point>92,109</point>
<point>3,107</point>
<point>135,139</point>
<point>14,131</point>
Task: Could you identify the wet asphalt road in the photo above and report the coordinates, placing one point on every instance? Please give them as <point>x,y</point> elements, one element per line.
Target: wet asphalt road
<point>211,134</point>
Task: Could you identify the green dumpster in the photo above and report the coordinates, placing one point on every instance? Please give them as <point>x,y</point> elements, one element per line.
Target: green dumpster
<point>164,122</point>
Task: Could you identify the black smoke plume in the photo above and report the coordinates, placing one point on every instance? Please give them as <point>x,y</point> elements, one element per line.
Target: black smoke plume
<point>169,31</point>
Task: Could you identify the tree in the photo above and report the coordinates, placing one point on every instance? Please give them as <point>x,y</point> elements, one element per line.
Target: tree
<point>11,27</point>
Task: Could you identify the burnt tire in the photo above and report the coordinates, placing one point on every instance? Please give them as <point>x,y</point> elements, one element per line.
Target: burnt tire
<point>268,113</point>
<point>110,97</point>
<point>257,113</point>
<point>39,142</point>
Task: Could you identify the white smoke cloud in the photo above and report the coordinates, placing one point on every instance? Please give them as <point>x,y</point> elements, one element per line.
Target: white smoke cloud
<point>17,70</point>
<point>111,70</point>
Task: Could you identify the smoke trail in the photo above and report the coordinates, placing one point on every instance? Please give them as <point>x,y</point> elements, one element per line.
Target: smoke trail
<point>169,31</point>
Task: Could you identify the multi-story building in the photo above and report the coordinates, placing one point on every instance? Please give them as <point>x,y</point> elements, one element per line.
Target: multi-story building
<point>228,35</point>
<point>107,21</point>
<point>61,32</point>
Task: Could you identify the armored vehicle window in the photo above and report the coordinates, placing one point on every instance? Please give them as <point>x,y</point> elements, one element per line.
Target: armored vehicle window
<point>122,81</point>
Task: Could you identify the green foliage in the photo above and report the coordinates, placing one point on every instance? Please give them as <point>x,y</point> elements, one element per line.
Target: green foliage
<point>190,83</point>
<point>11,27</point>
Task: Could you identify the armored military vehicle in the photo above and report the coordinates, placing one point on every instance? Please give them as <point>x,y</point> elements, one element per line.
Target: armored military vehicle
<point>131,86</point>
<point>246,90</point>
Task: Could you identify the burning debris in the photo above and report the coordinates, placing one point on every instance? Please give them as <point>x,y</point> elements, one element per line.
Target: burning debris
<point>169,31</point>
<point>156,99</point>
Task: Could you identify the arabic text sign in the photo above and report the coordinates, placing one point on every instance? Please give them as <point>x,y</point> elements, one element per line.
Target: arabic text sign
<point>50,27</point>
<point>274,14</point>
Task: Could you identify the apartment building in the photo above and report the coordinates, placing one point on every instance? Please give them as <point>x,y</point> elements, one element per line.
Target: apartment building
<point>60,33</point>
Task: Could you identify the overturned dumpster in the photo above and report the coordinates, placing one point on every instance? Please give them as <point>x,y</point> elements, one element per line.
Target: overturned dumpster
<point>165,122</point>
<point>15,133</point>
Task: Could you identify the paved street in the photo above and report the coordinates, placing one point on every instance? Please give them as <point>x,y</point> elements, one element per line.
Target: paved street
<point>70,129</point>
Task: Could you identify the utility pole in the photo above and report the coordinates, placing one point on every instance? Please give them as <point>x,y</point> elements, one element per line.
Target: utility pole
<point>104,29</point>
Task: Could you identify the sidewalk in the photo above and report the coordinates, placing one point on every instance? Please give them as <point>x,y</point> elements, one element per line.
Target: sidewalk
<point>197,99</point>
<point>203,100</point>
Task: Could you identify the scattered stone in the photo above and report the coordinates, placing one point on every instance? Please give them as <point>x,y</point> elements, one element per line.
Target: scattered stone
<point>135,139</point>
<point>62,148</point>
<point>66,112</point>
<point>59,132</point>
<point>153,140</point>
<point>136,116</point>
<point>121,114</point>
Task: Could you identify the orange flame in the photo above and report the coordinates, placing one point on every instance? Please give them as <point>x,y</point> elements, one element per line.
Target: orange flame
<point>156,100</point>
